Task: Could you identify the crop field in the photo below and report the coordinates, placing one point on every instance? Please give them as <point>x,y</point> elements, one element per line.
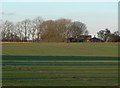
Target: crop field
<point>60,64</point>
<point>60,49</point>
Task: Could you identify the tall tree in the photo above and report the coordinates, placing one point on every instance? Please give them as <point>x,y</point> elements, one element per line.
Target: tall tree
<point>36,28</point>
<point>117,36</point>
<point>25,24</point>
<point>104,34</point>
<point>7,31</point>
<point>77,29</point>
<point>107,36</point>
<point>51,30</point>
<point>63,27</point>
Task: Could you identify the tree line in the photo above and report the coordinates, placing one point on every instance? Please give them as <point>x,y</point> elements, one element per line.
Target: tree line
<point>34,30</point>
<point>50,31</point>
<point>107,36</point>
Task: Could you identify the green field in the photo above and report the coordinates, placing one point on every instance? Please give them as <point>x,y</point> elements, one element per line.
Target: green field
<point>60,64</point>
<point>61,49</point>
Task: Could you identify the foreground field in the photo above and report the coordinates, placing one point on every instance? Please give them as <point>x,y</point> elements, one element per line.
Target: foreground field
<point>60,64</point>
<point>70,71</point>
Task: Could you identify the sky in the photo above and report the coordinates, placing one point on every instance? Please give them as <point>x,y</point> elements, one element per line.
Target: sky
<point>96,15</point>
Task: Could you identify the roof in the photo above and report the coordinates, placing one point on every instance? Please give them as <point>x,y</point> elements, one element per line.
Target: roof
<point>81,36</point>
<point>94,38</point>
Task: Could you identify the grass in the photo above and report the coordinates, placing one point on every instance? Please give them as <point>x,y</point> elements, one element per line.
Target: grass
<point>60,64</point>
<point>60,49</point>
<point>30,73</point>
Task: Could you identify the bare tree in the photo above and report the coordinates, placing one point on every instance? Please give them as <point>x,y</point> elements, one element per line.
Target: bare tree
<point>1,30</point>
<point>7,31</point>
<point>51,30</point>
<point>25,24</point>
<point>77,29</point>
<point>18,28</point>
<point>36,28</point>
<point>63,26</point>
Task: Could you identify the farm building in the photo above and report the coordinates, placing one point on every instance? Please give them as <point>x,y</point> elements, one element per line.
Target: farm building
<point>94,39</point>
<point>82,38</point>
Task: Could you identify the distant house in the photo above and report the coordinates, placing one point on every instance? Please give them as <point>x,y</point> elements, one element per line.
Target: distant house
<point>94,39</point>
<point>82,38</point>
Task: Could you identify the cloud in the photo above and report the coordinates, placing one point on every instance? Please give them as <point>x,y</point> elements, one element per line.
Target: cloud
<point>3,13</point>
